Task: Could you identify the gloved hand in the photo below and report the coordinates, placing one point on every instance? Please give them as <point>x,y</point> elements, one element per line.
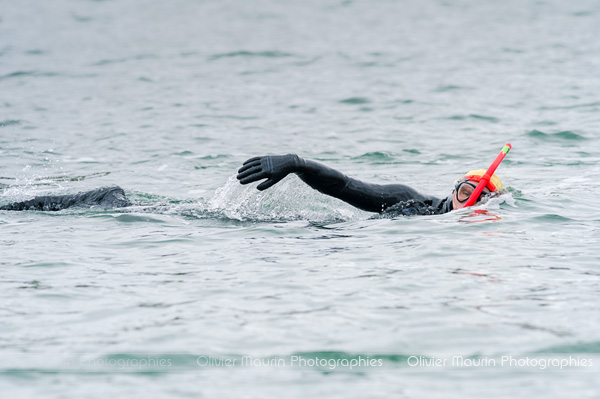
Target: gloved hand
<point>273,168</point>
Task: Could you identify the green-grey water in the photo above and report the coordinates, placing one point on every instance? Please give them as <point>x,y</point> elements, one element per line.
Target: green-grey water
<point>206,288</point>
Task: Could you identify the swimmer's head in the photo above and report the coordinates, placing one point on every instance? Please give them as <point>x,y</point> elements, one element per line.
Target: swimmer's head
<point>464,187</point>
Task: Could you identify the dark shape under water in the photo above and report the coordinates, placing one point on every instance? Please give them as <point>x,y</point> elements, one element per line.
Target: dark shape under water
<point>410,208</point>
<point>413,207</point>
<point>105,198</point>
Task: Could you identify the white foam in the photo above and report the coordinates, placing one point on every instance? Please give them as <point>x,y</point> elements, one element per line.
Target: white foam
<point>289,199</point>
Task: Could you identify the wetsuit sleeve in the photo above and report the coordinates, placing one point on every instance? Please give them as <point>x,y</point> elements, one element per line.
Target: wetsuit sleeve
<point>366,196</point>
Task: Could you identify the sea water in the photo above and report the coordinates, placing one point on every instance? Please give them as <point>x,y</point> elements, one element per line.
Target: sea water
<point>206,288</point>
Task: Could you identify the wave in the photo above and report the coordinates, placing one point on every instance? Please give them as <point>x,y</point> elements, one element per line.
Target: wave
<point>355,100</point>
<point>10,122</point>
<point>475,117</point>
<point>263,54</point>
<point>564,135</point>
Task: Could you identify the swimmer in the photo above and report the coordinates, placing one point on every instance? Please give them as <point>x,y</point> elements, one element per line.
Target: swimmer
<point>389,198</point>
<point>366,196</point>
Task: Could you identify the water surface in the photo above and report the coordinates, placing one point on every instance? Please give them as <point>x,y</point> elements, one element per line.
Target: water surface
<point>168,99</point>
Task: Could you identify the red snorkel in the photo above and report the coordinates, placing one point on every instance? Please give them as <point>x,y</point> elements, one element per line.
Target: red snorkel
<point>488,175</point>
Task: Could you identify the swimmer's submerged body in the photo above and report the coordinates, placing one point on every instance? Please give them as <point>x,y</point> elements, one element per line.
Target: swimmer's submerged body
<point>378,198</point>
<point>104,198</point>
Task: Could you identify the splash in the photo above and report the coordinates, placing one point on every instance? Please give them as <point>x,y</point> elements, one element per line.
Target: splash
<point>494,201</point>
<point>288,200</point>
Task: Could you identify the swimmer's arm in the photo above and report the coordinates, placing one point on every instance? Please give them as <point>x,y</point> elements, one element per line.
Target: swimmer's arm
<point>366,196</point>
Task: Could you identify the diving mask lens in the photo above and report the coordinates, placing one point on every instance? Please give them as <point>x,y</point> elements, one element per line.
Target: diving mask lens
<point>464,191</point>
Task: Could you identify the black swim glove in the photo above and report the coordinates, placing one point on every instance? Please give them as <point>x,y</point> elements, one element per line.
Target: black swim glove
<point>273,168</point>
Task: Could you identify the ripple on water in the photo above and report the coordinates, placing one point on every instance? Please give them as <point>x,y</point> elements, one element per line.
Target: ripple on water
<point>130,218</point>
<point>446,88</point>
<point>46,264</point>
<point>412,151</point>
<point>474,117</point>
<point>10,122</point>
<point>566,135</point>
<point>355,100</point>
<point>586,105</point>
<point>582,347</point>
<point>250,54</point>
<point>552,218</point>
<point>376,156</point>
<point>18,74</point>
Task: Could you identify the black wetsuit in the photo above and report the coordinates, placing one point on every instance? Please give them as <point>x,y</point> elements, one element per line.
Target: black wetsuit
<point>105,198</point>
<point>386,198</point>
<point>389,199</point>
